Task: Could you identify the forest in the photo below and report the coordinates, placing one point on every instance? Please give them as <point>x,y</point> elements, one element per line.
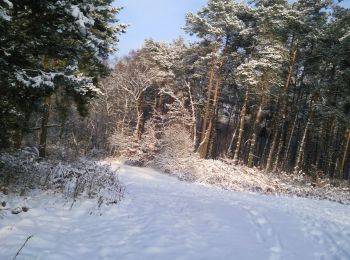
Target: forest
<point>258,100</point>
<point>264,84</point>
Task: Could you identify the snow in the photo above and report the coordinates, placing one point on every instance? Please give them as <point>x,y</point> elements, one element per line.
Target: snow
<point>4,16</point>
<point>9,4</point>
<point>164,218</point>
<point>344,37</point>
<point>81,19</point>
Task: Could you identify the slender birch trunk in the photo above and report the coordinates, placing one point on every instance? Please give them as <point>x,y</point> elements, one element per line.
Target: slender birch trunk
<point>301,151</point>
<point>229,150</point>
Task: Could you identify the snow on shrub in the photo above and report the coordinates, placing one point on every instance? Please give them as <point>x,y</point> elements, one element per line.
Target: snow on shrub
<point>24,171</point>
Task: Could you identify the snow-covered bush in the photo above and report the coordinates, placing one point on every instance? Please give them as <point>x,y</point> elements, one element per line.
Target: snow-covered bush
<point>23,171</point>
<point>137,152</point>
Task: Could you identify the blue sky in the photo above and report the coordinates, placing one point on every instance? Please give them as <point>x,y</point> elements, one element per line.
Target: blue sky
<point>158,19</point>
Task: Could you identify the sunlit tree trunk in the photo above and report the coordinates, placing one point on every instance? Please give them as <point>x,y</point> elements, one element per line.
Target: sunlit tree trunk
<point>210,87</point>
<point>203,147</point>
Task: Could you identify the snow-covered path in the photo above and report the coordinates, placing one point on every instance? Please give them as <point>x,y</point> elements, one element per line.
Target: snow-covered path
<point>163,218</point>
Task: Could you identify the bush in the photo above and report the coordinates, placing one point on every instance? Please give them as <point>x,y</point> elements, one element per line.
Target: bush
<point>24,171</point>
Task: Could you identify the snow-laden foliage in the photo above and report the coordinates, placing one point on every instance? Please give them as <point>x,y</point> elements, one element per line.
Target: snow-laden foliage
<point>267,60</point>
<point>81,29</point>
<point>50,45</point>
<point>23,171</point>
<point>5,5</point>
<point>217,20</point>
<point>167,58</point>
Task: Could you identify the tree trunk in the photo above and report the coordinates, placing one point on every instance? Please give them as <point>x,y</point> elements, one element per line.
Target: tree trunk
<point>203,147</point>
<point>241,127</point>
<point>280,147</point>
<point>210,87</point>
<point>271,151</point>
<point>330,147</point>
<point>229,150</point>
<point>255,134</point>
<point>301,151</point>
<point>320,152</point>
<point>256,123</point>
<point>213,145</point>
<point>283,114</point>
<point>194,118</point>
<point>44,126</point>
<point>286,152</point>
<point>139,109</point>
<point>345,154</point>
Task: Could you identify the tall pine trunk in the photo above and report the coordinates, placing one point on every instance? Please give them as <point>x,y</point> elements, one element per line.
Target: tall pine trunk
<point>272,150</point>
<point>283,114</point>
<point>203,147</point>
<point>321,146</point>
<point>241,127</point>
<point>210,87</point>
<point>256,123</point>
<point>255,132</point>
<point>286,152</point>
<point>332,140</point>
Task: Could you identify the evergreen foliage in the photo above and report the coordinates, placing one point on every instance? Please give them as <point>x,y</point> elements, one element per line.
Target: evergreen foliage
<point>46,45</point>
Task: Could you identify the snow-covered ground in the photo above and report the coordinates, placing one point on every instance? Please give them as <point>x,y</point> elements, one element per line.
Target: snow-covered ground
<point>164,218</point>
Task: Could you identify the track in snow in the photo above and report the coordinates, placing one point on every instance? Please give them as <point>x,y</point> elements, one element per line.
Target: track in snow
<point>163,218</point>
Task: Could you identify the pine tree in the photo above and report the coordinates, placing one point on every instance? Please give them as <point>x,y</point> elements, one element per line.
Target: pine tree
<point>53,44</point>
<point>218,24</point>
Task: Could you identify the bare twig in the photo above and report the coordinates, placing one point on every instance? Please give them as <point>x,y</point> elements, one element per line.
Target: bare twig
<point>25,242</point>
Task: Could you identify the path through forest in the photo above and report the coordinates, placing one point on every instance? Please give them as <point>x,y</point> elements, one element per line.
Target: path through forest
<point>163,218</point>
